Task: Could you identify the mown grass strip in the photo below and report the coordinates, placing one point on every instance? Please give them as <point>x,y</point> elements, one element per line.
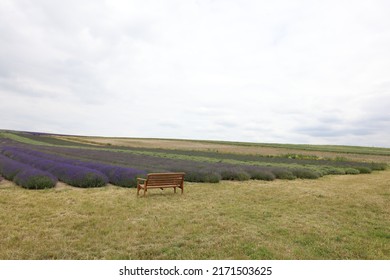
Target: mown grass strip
<point>22,139</point>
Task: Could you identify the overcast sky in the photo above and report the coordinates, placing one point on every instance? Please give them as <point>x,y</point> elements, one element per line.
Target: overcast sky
<point>279,71</point>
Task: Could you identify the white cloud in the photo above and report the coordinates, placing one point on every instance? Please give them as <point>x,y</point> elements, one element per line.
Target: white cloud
<point>280,71</point>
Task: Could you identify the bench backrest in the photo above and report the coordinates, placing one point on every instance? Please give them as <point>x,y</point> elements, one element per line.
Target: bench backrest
<point>165,179</point>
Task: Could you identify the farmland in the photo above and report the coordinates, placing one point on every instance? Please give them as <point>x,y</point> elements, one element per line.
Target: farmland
<point>102,164</point>
<point>281,202</point>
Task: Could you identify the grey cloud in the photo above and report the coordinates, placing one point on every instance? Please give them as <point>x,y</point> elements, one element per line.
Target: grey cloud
<point>319,131</point>
<point>328,131</point>
<point>332,117</point>
<point>338,127</point>
<point>226,124</point>
<point>169,125</point>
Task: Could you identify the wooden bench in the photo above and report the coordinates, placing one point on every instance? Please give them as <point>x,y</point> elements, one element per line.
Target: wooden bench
<point>161,181</point>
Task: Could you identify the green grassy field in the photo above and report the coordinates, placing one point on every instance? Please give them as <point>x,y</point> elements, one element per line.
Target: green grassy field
<point>333,217</point>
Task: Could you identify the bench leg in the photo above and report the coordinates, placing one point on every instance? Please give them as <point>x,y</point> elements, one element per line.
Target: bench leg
<point>174,189</point>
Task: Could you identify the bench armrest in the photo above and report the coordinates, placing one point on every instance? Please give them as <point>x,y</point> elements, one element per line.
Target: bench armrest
<point>141,179</point>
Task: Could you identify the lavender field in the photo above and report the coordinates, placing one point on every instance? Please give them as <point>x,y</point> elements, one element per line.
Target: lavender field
<point>37,161</point>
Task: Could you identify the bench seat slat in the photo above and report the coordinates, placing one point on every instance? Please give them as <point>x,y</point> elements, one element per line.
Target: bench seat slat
<point>163,184</point>
<point>164,179</point>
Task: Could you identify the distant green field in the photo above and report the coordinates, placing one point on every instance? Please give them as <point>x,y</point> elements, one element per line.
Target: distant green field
<point>38,139</point>
<point>318,148</point>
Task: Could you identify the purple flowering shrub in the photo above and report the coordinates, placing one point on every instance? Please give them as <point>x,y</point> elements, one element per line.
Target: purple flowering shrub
<point>25,175</point>
<point>283,173</point>
<point>261,173</point>
<point>71,170</point>
<point>202,177</point>
<point>9,168</point>
<point>305,173</point>
<point>32,178</point>
<point>122,168</point>
<point>235,173</point>
<point>78,176</point>
<point>196,171</point>
<point>117,175</point>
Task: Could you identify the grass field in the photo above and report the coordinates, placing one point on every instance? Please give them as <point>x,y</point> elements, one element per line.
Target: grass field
<point>332,217</point>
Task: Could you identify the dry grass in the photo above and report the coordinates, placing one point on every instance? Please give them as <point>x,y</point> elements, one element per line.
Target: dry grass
<point>334,217</point>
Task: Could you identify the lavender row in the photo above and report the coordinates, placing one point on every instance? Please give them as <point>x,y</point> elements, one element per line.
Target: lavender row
<point>25,175</point>
<point>117,175</point>
<point>77,176</point>
<point>195,171</point>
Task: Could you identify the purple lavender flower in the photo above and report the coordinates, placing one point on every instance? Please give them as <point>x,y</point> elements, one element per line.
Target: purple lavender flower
<point>25,175</point>
<point>10,168</point>
<point>70,170</point>
<point>74,175</point>
<point>78,176</point>
<point>120,176</point>
<point>32,178</point>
